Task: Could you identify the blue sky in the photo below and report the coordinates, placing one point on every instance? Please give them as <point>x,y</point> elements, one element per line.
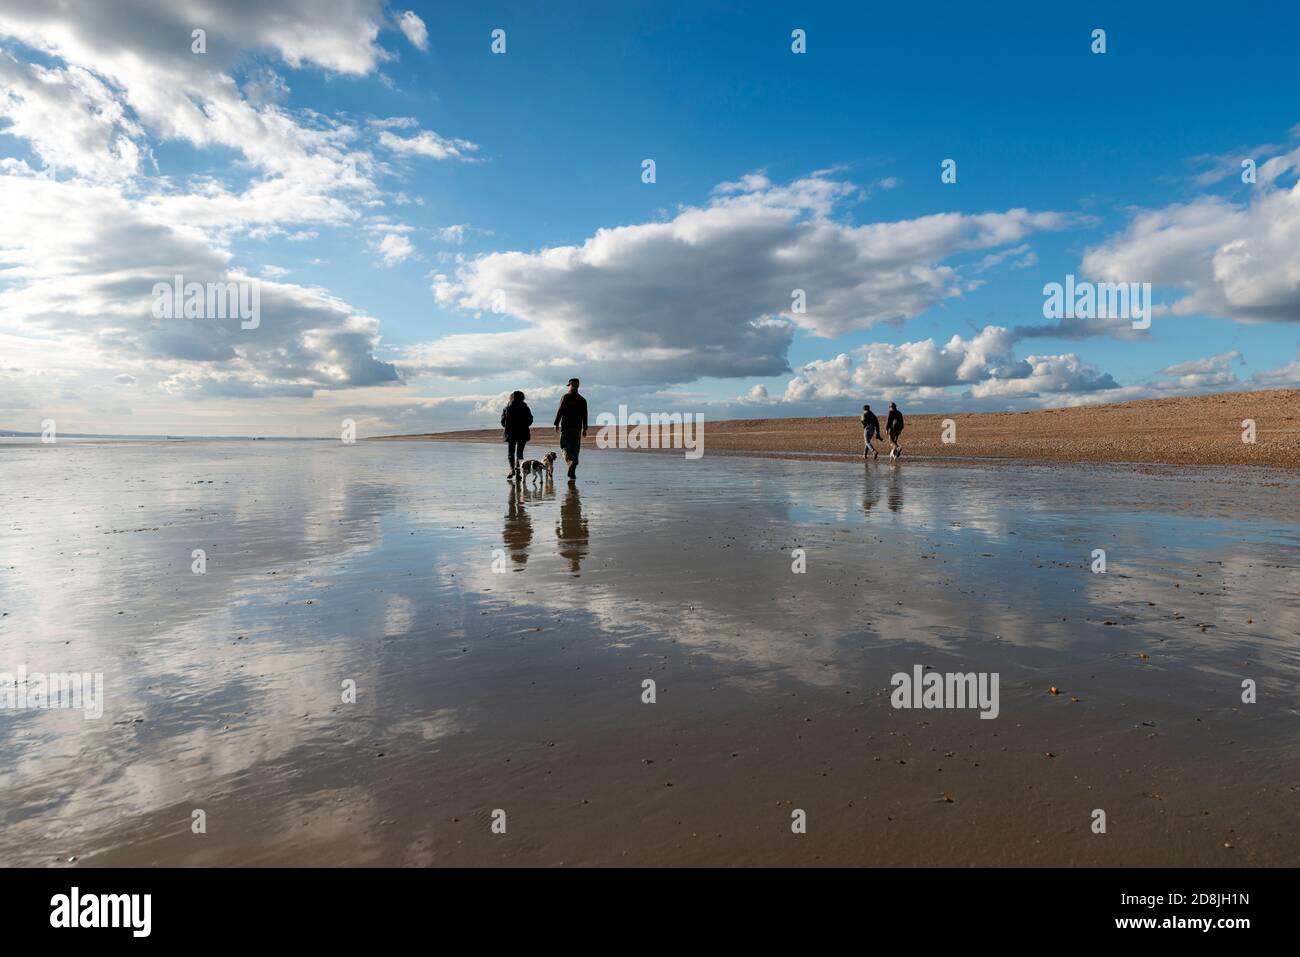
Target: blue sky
<point>386,178</point>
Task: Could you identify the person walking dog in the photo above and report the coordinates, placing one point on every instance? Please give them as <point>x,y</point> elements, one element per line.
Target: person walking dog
<point>571,423</point>
<point>515,421</point>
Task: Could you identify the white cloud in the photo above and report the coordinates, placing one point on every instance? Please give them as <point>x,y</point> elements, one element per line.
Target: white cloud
<point>395,248</point>
<point>394,122</point>
<point>1287,375</point>
<point>1228,165</point>
<point>89,87</point>
<point>80,261</point>
<point>413,29</point>
<point>339,36</point>
<point>1236,260</point>
<point>427,143</point>
<point>1022,257</point>
<point>923,369</point>
<point>71,119</point>
<point>128,72</point>
<point>1065,374</point>
<point>1209,372</point>
<point>709,292</point>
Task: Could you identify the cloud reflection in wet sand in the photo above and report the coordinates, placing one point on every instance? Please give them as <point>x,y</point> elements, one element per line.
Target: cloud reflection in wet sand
<point>374,563</point>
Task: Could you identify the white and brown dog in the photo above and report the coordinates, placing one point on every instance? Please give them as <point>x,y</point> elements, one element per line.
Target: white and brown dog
<point>535,469</point>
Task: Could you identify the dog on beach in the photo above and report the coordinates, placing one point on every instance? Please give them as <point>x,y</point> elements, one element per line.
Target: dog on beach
<point>535,469</point>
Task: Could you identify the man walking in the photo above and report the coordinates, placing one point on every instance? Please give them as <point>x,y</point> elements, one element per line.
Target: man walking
<point>870,431</point>
<point>894,426</point>
<point>571,423</point>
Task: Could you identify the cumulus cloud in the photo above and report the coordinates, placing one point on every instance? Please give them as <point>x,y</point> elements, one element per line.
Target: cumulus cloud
<point>88,87</point>
<point>711,292</point>
<point>924,363</point>
<point>1206,373</point>
<point>395,248</point>
<point>1287,375</point>
<point>985,364</point>
<point>340,36</point>
<point>80,259</point>
<point>1065,374</point>
<point>1229,259</point>
<point>128,72</point>
<point>142,51</point>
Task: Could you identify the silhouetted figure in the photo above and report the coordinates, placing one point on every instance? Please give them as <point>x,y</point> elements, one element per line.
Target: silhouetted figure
<point>515,421</point>
<point>571,423</point>
<point>894,426</point>
<point>870,431</point>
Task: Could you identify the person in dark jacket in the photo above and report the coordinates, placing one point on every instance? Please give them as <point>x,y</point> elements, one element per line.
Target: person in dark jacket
<point>870,431</point>
<point>894,427</point>
<point>515,421</point>
<point>571,423</point>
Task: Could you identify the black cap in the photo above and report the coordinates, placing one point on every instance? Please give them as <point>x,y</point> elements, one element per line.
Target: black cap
<point>574,382</point>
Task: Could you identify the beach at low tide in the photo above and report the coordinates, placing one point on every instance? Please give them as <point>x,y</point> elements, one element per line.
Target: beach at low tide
<point>499,641</point>
<point>1221,429</point>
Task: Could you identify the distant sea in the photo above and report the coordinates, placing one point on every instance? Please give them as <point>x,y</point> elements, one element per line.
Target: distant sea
<point>27,438</point>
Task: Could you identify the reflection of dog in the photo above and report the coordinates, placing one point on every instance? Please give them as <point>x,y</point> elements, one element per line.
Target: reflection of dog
<point>537,469</point>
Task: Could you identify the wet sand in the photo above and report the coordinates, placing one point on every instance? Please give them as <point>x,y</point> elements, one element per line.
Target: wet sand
<point>521,690</point>
<point>1186,430</point>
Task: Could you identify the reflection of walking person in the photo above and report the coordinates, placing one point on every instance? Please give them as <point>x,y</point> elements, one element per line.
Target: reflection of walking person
<point>518,532</point>
<point>515,421</point>
<point>870,495</point>
<point>571,423</point>
<point>870,431</point>
<point>571,530</point>
<point>895,492</point>
<point>894,426</point>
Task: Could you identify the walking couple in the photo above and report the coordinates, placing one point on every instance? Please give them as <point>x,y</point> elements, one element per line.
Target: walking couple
<point>570,423</point>
<point>871,430</point>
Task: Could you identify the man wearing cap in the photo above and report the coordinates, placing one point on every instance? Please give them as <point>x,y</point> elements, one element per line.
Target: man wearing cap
<point>571,423</point>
